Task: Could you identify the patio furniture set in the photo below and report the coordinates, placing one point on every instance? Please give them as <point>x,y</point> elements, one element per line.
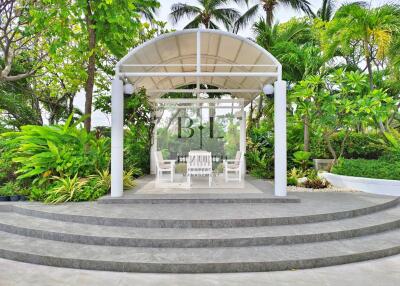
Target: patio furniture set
<point>199,163</point>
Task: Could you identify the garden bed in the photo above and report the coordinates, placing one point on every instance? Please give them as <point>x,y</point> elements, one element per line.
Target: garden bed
<point>369,185</point>
<point>329,189</point>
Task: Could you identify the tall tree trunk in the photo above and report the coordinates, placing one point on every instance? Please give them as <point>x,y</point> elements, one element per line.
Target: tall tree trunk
<point>306,122</point>
<point>268,7</point>
<point>91,68</point>
<point>330,147</point>
<point>370,74</point>
<point>259,109</point>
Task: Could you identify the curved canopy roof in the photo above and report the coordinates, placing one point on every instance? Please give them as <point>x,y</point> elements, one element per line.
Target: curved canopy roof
<point>200,56</point>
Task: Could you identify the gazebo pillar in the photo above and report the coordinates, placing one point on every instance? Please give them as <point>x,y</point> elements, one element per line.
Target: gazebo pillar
<point>117,137</point>
<point>280,138</point>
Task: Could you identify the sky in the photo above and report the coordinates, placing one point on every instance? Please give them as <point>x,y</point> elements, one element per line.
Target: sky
<point>282,15</point>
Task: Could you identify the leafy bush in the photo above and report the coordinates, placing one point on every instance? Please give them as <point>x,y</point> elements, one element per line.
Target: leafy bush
<point>7,166</point>
<point>129,181</point>
<point>291,181</point>
<point>302,158</point>
<point>314,181</point>
<point>386,167</point>
<point>61,163</point>
<point>358,145</point>
<point>260,151</point>
<point>65,189</point>
<point>43,152</point>
<point>260,165</point>
<point>293,176</point>
<point>11,188</point>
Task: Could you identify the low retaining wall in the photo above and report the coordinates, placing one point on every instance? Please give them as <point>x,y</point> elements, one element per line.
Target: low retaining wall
<point>369,185</point>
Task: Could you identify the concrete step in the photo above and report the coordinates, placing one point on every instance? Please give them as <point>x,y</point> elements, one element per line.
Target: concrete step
<point>385,220</point>
<point>198,260</point>
<point>208,198</point>
<point>208,215</point>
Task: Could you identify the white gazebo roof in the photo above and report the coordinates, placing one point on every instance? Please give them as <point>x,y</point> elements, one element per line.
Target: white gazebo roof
<point>200,56</point>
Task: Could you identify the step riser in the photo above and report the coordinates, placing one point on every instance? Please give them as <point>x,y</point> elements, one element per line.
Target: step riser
<point>196,243</point>
<point>221,223</point>
<point>195,267</point>
<point>201,201</point>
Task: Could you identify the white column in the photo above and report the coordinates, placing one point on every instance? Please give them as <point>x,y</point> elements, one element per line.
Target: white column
<point>117,137</point>
<point>153,150</point>
<point>280,138</point>
<point>243,140</point>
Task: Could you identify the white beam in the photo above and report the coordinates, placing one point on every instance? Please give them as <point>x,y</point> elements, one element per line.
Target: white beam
<point>200,74</point>
<point>203,90</point>
<point>117,137</point>
<point>280,138</point>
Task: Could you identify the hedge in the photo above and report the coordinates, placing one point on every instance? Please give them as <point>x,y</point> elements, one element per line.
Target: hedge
<point>383,168</point>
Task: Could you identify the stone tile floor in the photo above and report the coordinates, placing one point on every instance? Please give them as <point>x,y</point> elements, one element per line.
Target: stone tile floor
<point>381,272</point>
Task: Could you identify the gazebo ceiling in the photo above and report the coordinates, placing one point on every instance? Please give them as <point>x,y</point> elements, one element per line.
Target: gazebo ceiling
<point>226,60</point>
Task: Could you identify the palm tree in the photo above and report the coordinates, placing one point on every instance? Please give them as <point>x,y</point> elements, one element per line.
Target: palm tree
<point>373,29</point>
<point>326,12</point>
<point>146,11</point>
<point>208,12</point>
<point>270,7</point>
<point>294,45</point>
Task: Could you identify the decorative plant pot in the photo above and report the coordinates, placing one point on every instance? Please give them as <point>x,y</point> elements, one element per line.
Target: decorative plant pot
<point>4,198</point>
<point>14,198</point>
<point>323,164</point>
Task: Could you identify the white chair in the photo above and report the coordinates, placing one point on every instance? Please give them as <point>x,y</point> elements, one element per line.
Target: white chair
<point>162,166</point>
<point>199,164</point>
<point>234,166</point>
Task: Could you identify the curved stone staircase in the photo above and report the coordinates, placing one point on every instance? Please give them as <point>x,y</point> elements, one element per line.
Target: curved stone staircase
<point>188,235</point>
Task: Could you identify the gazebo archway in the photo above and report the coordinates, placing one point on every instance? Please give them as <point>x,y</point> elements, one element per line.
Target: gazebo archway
<point>199,57</point>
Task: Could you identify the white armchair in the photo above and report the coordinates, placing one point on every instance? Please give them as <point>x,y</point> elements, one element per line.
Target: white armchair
<point>234,166</point>
<point>162,166</point>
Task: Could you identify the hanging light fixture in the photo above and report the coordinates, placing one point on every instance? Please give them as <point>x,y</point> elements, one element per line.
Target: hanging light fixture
<point>129,89</point>
<point>268,89</point>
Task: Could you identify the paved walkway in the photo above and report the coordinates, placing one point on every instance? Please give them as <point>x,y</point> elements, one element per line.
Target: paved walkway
<point>381,272</point>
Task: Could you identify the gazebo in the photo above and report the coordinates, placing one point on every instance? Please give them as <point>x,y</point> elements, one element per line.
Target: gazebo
<point>196,58</point>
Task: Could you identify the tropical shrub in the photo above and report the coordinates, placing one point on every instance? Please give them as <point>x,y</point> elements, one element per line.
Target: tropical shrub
<point>61,163</point>
<point>65,189</point>
<point>260,165</point>
<point>7,166</point>
<point>260,151</point>
<point>8,189</point>
<point>302,158</point>
<point>139,122</point>
<point>314,181</point>
<point>359,145</point>
<point>43,152</point>
<point>386,167</point>
<point>293,176</point>
<point>129,181</point>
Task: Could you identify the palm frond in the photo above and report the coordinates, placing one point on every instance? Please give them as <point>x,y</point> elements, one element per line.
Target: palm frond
<point>194,23</point>
<point>227,16</point>
<point>181,10</point>
<point>244,20</point>
<point>301,5</point>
